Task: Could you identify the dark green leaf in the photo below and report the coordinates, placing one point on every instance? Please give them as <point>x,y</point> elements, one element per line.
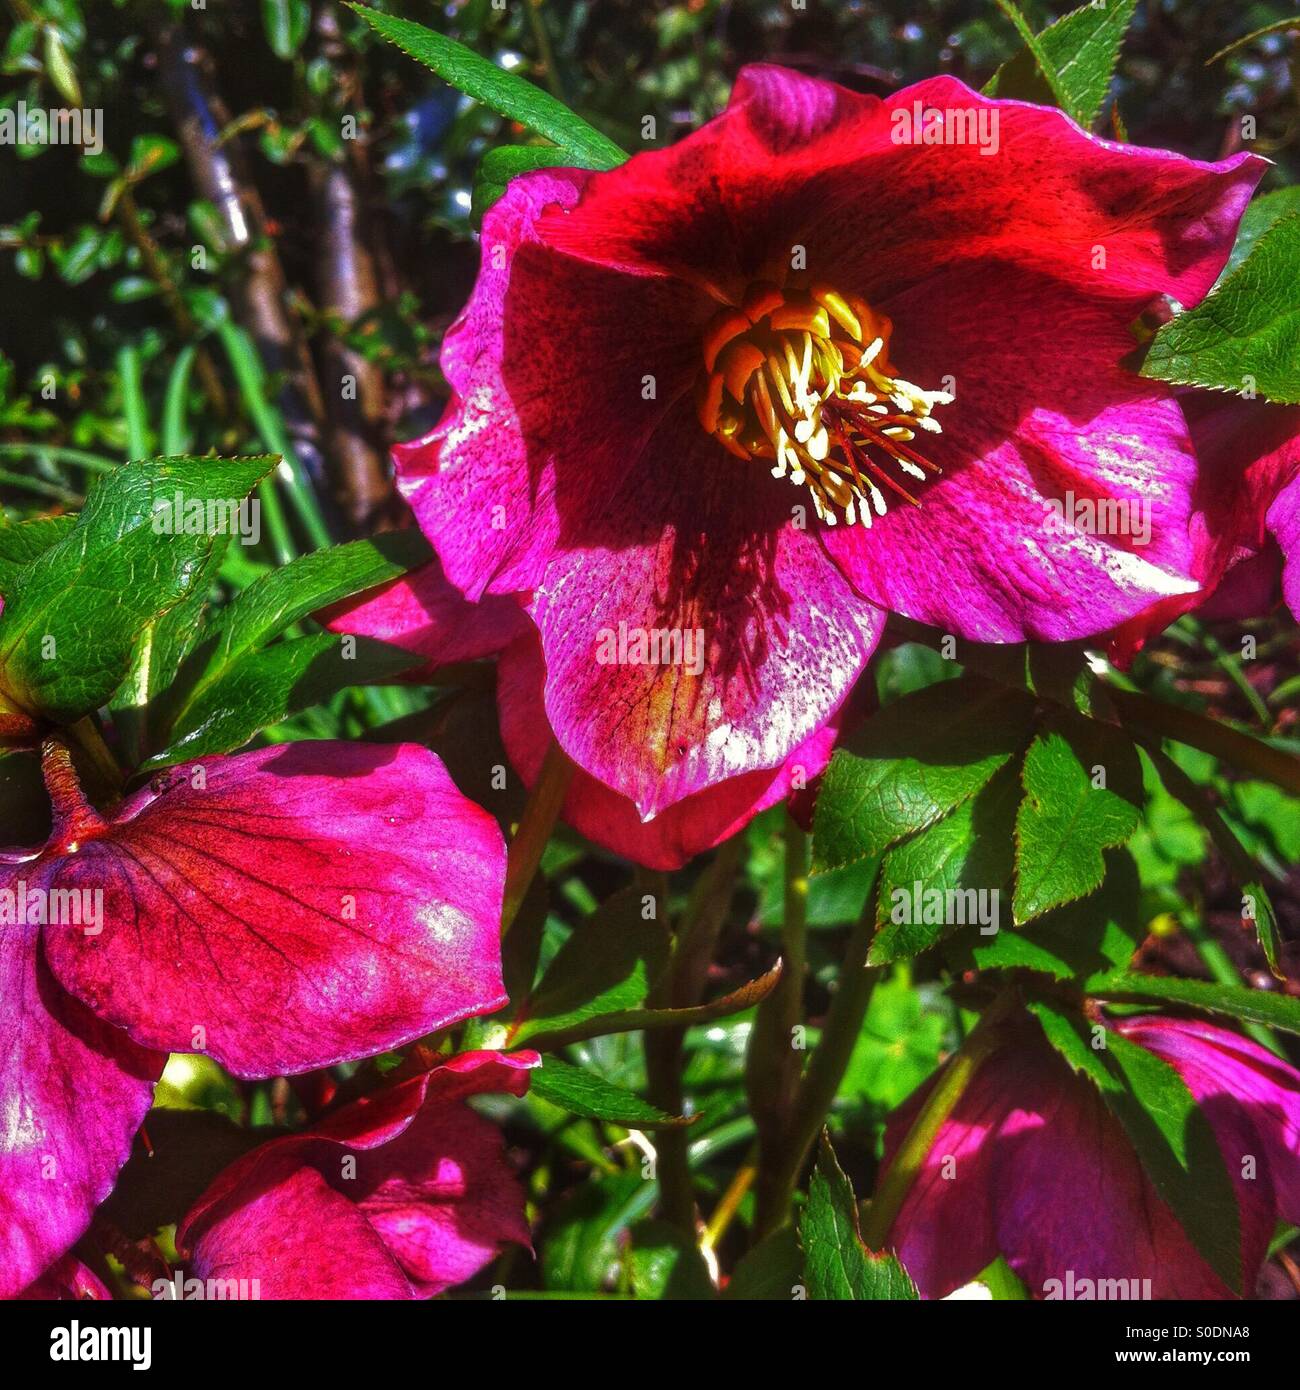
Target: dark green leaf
<point>506,162</point>
<point>286,23</point>
<point>664,1264</point>
<point>1166,1127</point>
<point>1245,334</point>
<point>1257,907</point>
<point>1235,1001</point>
<point>836,1263</point>
<point>1083,795</point>
<point>505,93</point>
<point>583,1093</point>
<point>1260,215</point>
<point>770,1271</point>
<point>914,762</point>
<point>21,544</point>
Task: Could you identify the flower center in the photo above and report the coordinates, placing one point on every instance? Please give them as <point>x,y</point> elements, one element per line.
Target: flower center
<point>804,378</point>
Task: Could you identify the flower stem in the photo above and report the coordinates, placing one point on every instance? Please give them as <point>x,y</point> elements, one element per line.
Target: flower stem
<point>822,1079</point>
<point>74,816</point>
<point>534,830</point>
<point>729,1203</point>
<point>910,1158</point>
<point>774,1065</point>
<point>681,986</point>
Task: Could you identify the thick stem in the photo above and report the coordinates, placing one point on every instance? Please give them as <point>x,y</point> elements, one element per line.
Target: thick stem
<point>911,1155</point>
<point>825,1072</point>
<point>73,815</point>
<point>682,986</point>
<point>535,826</point>
<point>774,1064</point>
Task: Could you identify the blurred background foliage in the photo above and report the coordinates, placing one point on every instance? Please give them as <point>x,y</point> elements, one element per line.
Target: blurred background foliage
<point>282,209</point>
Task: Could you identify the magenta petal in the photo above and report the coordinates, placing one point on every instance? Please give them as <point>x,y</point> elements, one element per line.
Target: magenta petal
<point>423,613</point>
<point>73,1091</point>
<point>309,903</point>
<point>688,827</point>
<point>401,1195</point>
<point>67,1280</point>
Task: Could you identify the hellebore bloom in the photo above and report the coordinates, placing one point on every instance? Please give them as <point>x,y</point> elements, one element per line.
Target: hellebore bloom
<point>401,1195</point>
<point>805,366</point>
<point>279,910</point>
<point>424,614</point>
<point>1246,514</point>
<point>1032,1165</point>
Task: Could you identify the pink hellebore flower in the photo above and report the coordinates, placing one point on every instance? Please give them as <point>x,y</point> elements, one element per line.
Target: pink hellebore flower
<point>423,613</point>
<point>279,910</point>
<point>922,335</point>
<point>401,1195</point>
<point>1246,515</point>
<point>1033,1166</point>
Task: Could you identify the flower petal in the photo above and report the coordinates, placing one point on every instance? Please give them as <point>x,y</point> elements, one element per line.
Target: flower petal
<point>73,1091</point>
<point>310,903</point>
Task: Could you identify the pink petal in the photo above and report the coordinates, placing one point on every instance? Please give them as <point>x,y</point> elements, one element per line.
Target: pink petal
<point>67,1280</point>
<point>311,903</point>
<point>73,1091</point>
<point>688,827</point>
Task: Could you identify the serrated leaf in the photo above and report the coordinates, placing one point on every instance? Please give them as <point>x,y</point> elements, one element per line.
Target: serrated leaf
<point>71,618</point>
<point>507,94</point>
<point>1167,1129</point>
<point>22,543</point>
<point>263,687</point>
<point>914,762</point>
<point>1246,331</point>
<point>931,884</point>
<point>583,1093</point>
<point>1066,821</point>
<point>836,1263</point>
<point>1233,1001</point>
<point>1261,214</point>
<point>1081,48</point>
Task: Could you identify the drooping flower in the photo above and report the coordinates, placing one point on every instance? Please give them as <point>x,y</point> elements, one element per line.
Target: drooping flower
<point>1032,1165</point>
<point>400,1195</point>
<point>279,910</point>
<point>424,614</point>
<point>709,391</point>
<point>1246,515</point>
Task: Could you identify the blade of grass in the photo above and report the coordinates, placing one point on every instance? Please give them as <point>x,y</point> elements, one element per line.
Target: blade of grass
<point>175,435</point>
<point>131,374</point>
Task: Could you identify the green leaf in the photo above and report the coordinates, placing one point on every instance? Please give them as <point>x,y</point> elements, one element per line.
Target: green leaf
<point>506,162</point>
<point>286,23</point>
<point>1066,819</point>
<point>1167,1129</point>
<point>664,1264</point>
<point>1234,1001</point>
<point>1257,907</point>
<point>1245,334</point>
<point>508,95</point>
<point>72,615</point>
<point>1081,49</point>
<point>897,1047</point>
<point>931,884</point>
<point>21,544</point>
<point>836,1263</point>
<point>607,964</point>
<point>914,762</point>
<point>1100,932</point>
<point>263,687</point>
<point>281,598</point>
<point>769,1271</point>
<point>583,1093</point>
<point>1261,214</point>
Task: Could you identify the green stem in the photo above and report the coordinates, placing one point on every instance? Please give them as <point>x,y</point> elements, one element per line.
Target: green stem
<point>774,1065</point>
<point>535,826</point>
<point>681,986</point>
<point>910,1159</point>
<point>825,1072</point>
<point>57,453</point>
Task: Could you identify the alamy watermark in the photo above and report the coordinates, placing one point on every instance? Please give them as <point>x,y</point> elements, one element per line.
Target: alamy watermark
<point>946,907</point>
<point>655,646</point>
<point>38,125</point>
<point>953,125</point>
<point>180,1289</point>
<point>1096,1290</point>
<point>180,515</point>
<point>1101,516</point>
<point>21,906</point>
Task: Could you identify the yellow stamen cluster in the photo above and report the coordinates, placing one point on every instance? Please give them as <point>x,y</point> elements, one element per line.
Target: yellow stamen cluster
<point>803,378</point>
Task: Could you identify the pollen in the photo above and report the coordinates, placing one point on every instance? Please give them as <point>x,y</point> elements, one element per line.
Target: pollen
<point>803,381</point>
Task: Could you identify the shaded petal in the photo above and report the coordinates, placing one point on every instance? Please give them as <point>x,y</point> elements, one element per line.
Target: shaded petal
<point>311,903</point>
<point>423,612</point>
<point>67,1280</point>
<point>73,1091</point>
<point>688,827</point>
